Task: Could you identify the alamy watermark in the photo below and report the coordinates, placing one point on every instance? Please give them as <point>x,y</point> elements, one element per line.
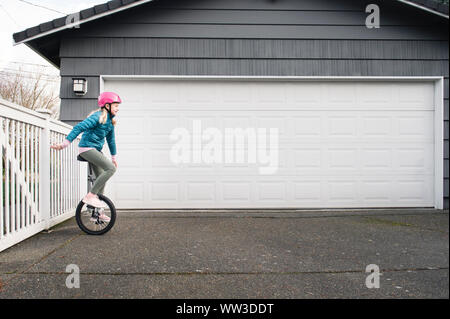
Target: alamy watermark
<point>226,147</point>
<point>373,280</point>
<point>73,280</point>
<point>373,19</point>
<point>73,20</point>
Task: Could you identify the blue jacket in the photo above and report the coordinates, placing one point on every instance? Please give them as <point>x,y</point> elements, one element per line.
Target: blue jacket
<point>94,133</point>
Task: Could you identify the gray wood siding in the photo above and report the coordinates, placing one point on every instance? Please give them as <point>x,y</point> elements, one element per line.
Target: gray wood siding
<point>254,67</point>
<point>255,37</point>
<point>253,49</point>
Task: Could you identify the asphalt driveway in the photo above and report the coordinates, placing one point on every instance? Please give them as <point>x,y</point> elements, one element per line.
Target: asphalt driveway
<point>238,254</point>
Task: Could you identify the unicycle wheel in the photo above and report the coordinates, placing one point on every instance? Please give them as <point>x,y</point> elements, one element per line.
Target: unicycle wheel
<point>90,220</point>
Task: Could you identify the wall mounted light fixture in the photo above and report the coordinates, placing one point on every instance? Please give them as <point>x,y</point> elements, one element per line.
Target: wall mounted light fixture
<point>80,86</point>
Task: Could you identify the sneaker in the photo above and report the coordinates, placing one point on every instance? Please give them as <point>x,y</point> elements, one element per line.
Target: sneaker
<point>95,201</point>
<point>101,216</point>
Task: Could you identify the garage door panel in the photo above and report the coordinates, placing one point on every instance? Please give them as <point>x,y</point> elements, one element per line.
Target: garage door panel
<point>199,119</point>
<point>134,128</point>
<point>305,96</point>
<point>419,95</point>
<point>376,126</point>
<point>307,191</point>
<point>161,126</point>
<point>377,191</point>
<point>135,157</point>
<point>339,95</point>
<point>303,124</point>
<point>233,191</point>
<point>201,191</point>
<point>241,121</point>
<point>307,125</point>
<point>356,159</point>
<point>159,158</point>
<point>307,158</point>
<point>343,158</point>
<point>342,191</point>
<point>272,191</point>
<point>414,159</point>
<point>200,95</point>
<point>372,95</point>
<point>163,192</point>
<point>414,190</point>
<point>340,144</point>
<point>263,96</point>
<point>417,126</point>
<point>376,158</point>
<point>235,95</point>
<point>413,128</point>
<point>130,191</point>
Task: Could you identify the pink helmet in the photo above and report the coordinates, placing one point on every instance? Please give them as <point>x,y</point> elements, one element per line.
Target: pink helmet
<point>108,98</point>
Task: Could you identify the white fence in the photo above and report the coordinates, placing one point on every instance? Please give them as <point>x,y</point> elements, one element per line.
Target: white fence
<point>40,187</point>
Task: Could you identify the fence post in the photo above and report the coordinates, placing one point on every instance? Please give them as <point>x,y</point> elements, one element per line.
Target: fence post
<point>44,169</point>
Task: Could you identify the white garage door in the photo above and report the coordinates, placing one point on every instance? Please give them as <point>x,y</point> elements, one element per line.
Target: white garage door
<point>340,144</point>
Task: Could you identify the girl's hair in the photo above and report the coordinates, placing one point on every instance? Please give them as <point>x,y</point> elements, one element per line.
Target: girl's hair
<point>104,116</point>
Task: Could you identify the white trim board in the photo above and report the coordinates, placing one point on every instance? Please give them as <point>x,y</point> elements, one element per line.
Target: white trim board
<point>271,78</point>
<point>438,105</point>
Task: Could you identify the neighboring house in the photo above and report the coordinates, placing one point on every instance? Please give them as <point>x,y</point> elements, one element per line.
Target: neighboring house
<point>362,112</point>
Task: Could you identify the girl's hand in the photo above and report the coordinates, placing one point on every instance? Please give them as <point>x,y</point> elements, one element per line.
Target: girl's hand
<point>57,147</point>
<point>115,163</point>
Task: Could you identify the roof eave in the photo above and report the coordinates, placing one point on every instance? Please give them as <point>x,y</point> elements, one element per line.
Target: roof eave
<point>43,56</point>
<point>78,23</point>
<point>416,5</point>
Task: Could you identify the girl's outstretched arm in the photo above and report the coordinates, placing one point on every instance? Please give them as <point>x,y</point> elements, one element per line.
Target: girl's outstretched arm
<point>88,123</point>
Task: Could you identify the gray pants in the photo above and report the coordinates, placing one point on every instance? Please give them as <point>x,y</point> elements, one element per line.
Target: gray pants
<point>103,169</point>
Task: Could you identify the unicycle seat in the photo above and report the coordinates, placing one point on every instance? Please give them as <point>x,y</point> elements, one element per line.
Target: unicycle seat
<point>79,158</point>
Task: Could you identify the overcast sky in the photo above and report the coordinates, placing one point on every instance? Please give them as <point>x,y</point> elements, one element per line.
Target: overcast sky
<point>16,15</point>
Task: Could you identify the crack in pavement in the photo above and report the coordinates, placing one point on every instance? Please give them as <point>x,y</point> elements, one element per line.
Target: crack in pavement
<point>236,273</point>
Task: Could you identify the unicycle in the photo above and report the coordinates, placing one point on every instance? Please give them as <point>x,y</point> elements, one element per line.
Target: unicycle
<point>87,216</point>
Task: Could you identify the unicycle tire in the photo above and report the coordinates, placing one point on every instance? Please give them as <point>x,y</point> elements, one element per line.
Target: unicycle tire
<point>85,213</point>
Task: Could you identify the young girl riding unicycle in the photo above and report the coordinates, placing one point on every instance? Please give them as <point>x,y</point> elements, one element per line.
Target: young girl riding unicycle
<point>98,126</point>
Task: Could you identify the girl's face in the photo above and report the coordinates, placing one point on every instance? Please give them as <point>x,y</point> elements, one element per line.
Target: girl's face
<point>114,108</point>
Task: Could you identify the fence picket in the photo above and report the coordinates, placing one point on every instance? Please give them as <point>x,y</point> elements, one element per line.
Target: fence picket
<point>60,180</point>
<point>52,195</point>
<point>15,166</point>
<point>71,181</point>
<point>27,172</point>
<point>22,167</point>
<point>25,169</point>
<point>16,186</point>
<point>33,165</point>
<point>13,177</point>
<point>1,182</point>
<point>7,170</point>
